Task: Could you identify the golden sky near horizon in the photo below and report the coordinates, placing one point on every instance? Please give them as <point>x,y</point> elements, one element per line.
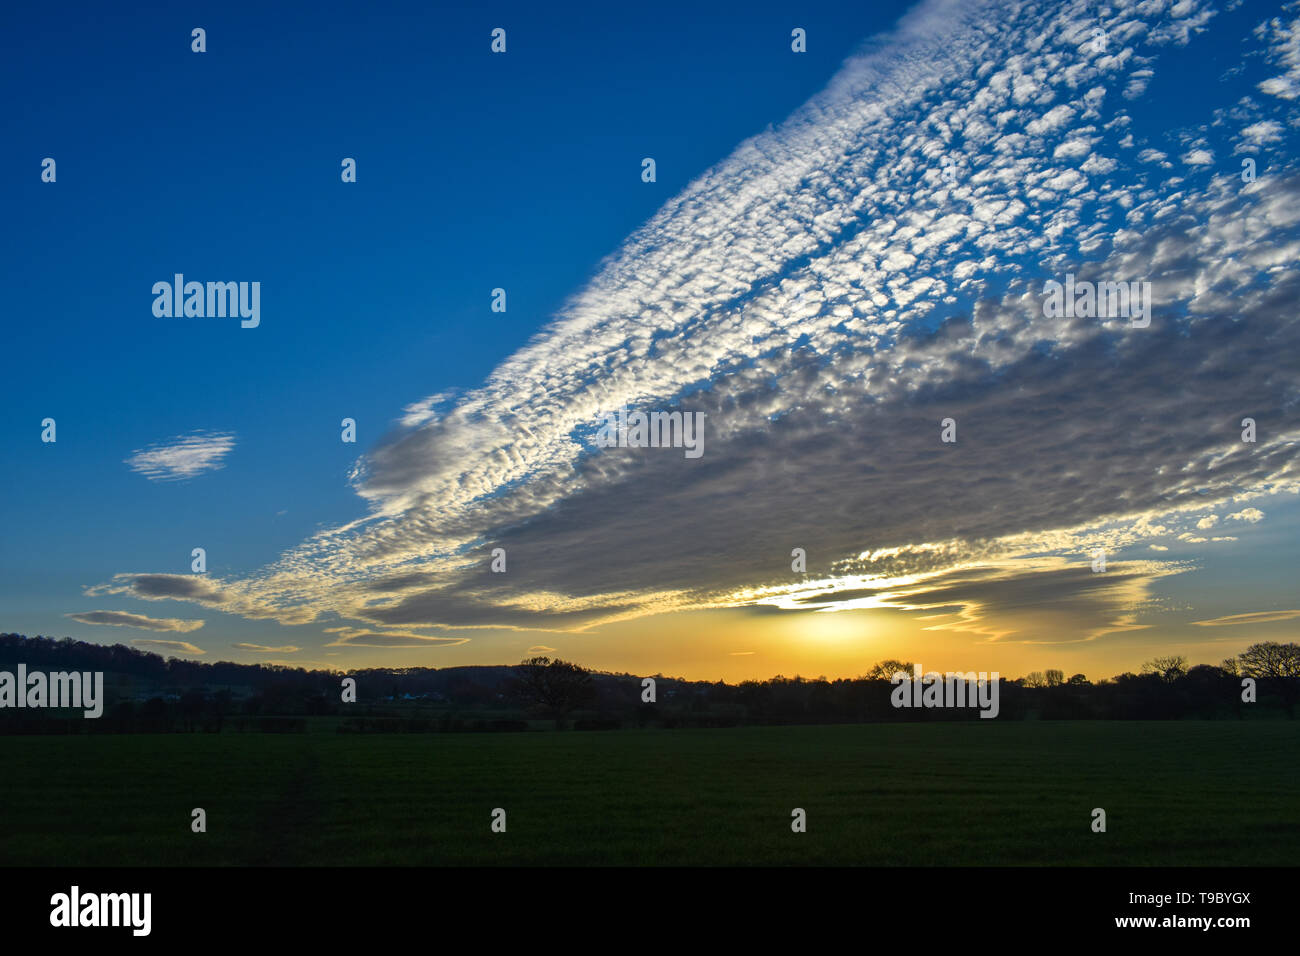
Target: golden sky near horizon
<point>736,645</point>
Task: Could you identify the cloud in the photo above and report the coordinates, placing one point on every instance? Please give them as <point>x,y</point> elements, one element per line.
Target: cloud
<point>182,457</point>
<point>1263,133</point>
<point>539,649</point>
<point>357,637</point>
<point>124,619</point>
<point>161,587</point>
<point>827,295</point>
<point>180,647</point>
<point>1021,600</point>
<point>1253,515</point>
<point>1284,51</point>
<point>263,649</point>
<point>1255,617</point>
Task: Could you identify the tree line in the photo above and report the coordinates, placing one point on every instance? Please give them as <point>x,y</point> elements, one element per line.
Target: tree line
<point>147,693</point>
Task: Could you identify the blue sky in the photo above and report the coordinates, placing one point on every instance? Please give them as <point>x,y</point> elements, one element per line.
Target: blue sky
<point>522,171</point>
<point>475,172</point>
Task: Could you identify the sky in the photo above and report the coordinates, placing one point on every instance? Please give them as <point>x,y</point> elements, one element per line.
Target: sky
<point>841,248</point>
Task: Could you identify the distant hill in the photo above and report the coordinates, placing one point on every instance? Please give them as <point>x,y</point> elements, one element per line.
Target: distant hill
<point>133,673</point>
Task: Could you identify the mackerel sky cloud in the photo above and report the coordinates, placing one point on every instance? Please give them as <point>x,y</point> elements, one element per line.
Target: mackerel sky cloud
<point>827,295</point>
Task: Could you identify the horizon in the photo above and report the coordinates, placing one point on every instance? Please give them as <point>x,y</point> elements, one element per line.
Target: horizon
<point>864,675</point>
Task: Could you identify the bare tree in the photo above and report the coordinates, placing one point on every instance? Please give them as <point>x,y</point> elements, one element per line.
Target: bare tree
<point>885,670</point>
<point>1054,677</point>
<point>556,688</point>
<point>1271,659</point>
<point>1034,679</point>
<point>1168,668</point>
<point>1278,663</point>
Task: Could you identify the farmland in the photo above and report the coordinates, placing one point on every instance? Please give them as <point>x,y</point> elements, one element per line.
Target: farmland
<point>962,793</point>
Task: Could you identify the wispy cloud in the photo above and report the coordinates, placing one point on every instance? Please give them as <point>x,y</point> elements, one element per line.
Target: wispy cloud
<point>125,619</point>
<point>184,456</point>
<point>263,649</point>
<point>1254,617</point>
<point>180,647</point>
<point>360,637</point>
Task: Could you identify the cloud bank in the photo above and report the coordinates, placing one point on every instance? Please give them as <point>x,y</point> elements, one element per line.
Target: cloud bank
<point>827,296</point>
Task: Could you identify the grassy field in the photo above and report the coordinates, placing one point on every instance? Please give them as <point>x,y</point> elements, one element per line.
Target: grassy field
<point>984,792</point>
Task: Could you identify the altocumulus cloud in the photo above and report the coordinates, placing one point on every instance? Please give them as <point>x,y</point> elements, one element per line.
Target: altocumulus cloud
<point>125,619</point>
<point>826,295</point>
<point>184,456</point>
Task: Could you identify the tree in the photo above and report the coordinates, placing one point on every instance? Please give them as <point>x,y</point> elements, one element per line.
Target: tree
<point>1168,669</point>
<point>1054,677</point>
<point>192,704</point>
<point>1077,679</point>
<point>556,688</point>
<point>221,705</point>
<point>1034,679</point>
<point>1278,663</point>
<point>885,670</point>
<point>1270,659</point>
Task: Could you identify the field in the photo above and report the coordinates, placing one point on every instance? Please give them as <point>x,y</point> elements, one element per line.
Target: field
<point>1175,793</point>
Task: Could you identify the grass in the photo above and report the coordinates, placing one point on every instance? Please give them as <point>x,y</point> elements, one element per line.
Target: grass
<point>974,793</point>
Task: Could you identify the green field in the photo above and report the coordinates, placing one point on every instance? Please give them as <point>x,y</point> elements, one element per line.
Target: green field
<point>981,792</point>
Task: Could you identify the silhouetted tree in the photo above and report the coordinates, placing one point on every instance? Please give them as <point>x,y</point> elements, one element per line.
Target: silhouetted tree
<point>1270,659</point>
<point>885,670</point>
<point>556,688</point>
<point>192,703</point>
<point>1278,665</point>
<point>221,706</point>
<point>1168,669</point>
